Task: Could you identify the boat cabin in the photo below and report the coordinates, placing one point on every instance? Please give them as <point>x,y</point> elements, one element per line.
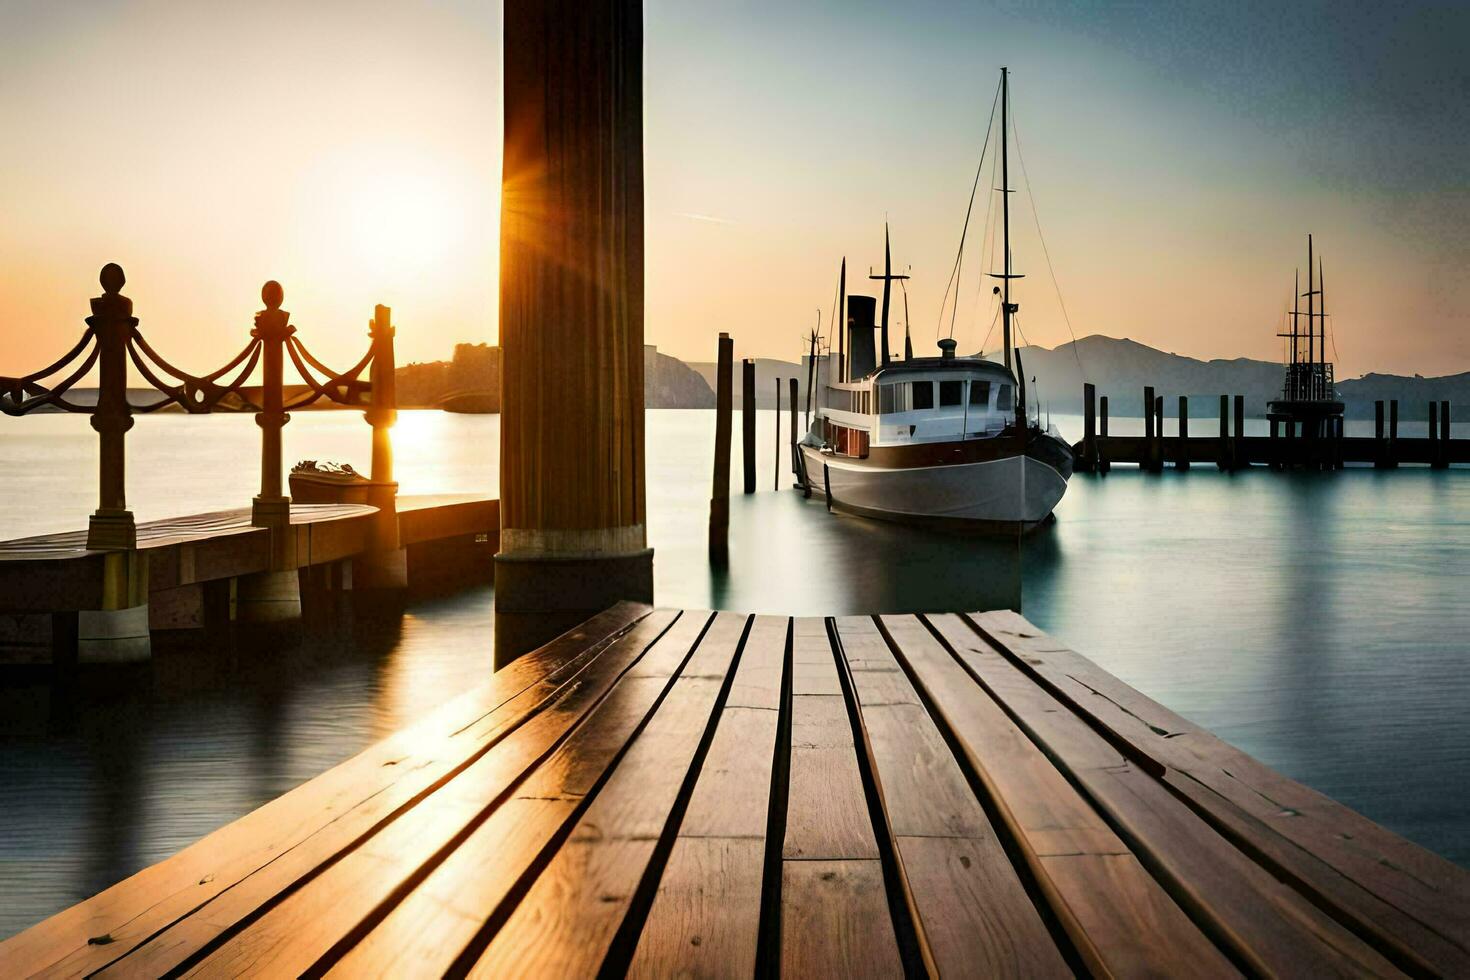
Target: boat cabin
<point>931,399</point>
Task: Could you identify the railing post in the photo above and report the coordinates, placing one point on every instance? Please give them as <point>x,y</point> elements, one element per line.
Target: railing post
<point>385,566</point>
<point>271,507</point>
<point>112,528</point>
<point>384,411</point>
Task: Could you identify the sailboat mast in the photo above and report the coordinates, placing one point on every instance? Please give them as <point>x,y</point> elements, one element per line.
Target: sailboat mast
<point>1322,338</point>
<point>842,322</point>
<point>1005,210</point>
<point>1311,321</point>
<point>1296,289</point>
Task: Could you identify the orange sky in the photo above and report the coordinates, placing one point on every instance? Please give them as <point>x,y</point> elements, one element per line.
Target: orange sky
<point>352,152</point>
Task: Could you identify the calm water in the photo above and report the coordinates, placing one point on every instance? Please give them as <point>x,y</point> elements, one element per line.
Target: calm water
<point>1319,621</point>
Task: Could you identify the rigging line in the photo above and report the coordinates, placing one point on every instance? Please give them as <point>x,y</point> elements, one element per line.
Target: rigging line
<point>1036,217</point>
<point>954,274</point>
<point>993,321</point>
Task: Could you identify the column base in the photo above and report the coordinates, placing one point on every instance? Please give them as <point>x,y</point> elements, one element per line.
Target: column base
<point>267,597</point>
<point>112,530</point>
<point>539,598</point>
<point>113,636</point>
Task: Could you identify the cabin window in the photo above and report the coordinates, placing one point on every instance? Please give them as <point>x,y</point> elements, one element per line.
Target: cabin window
<point>980,393</point>
<point>951,393</point>
<point>923,394</point>
<point>847,442</point>
<point>1003,400</point>
<point>893,398</point>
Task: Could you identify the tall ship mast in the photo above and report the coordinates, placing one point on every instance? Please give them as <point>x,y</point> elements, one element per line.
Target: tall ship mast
<point>1308,405</point>
<point>942,439</point>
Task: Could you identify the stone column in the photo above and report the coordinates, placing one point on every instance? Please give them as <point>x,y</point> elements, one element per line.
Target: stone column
<point>572,535</point>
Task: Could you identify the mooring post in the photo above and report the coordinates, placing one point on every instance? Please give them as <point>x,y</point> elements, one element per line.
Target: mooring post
<point>273,595</point>
<point>1148,428</point>
<point>1089,427</point>
<point>118,630</point>
<point>573,500</point>
<point>1238,458</point>
<point>1158,456</point>
<point>747,421</point>
<point>795,471</point>
<point>1102,458</point>
<point>1183,460</point>
<point>1380,454</point>
<point>1222,453</point>
<point>1436,446</point>
<point>776,469</point>
<point>719,502</point>
<point>1393,433</point>
<point>1444,433</point>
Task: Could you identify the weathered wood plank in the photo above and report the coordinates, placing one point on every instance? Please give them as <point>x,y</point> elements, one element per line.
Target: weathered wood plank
<point>835,921</point>
<point>284,918</point>
<point>1096,887</point>
<point>551,932</point>
<point>1262,921</point>
<point>326,814</point>
<point>705,918</point>
<point>444,904</point>
<point>1413,904</point>
<point>972,913</point>
<point>827,810</point>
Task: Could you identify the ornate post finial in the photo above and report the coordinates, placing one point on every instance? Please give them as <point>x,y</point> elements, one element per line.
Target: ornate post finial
<point>112,278</point>
<point>272,295</point>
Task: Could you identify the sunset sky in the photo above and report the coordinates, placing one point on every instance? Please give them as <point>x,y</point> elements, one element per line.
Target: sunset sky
<point>351,150</point>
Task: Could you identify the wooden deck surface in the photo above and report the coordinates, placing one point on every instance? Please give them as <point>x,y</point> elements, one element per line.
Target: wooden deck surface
<point>665,792</point>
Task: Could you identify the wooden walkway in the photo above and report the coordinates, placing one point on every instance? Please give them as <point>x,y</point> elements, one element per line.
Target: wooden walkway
<point>665,792</point>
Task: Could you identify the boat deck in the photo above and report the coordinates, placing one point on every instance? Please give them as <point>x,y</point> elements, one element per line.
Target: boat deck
<point>677,792</point>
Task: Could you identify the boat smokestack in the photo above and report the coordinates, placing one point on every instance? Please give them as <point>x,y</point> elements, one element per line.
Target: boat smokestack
<point>946,348</point>
<point>861,322</point>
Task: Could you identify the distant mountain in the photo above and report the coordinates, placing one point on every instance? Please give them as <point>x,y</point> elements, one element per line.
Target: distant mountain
<point>767,371</point>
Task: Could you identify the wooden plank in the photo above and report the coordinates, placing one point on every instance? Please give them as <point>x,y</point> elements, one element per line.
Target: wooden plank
<point>835,921</point>
<point>1096,887</point>
<point>170,911</point>
<point>827,810</point>
<point>1265,924</point>
<point>439,905</point>
<point>554,930</point>
<point>972,913</point>
<point>705,918</point>
<point>1414,905</point>
<point>340,803</point>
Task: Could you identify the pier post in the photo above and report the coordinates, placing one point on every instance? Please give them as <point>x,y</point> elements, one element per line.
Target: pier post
<point>1102,458</point>
<point>386,565</point>
<point>719,501</point>
<point>1238,458</point>
<point>1182,461</point>
<point>1157,458</point>
<point>573,537</point>
<point>1380,449</point>
<point>747,421</point>
<point>776,470</point>
<point>1089,427</point>
<point>1444,434</point>
<point>1393,433</point>
<point>1433,427</point>
<point>1148,428</point>
<point>273,595</point>
<point>794,450</point>
<point>118,631</point>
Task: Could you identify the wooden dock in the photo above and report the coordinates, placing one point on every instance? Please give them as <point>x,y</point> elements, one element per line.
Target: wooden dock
<point>686,793</point>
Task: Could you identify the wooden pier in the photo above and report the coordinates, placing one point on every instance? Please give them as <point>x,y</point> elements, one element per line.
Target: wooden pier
<point>1286,447</point>
<point>666,793</point>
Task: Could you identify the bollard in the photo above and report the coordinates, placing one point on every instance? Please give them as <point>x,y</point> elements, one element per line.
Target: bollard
<point>719,503</point>
<point>1182,460</point>
<point>747,421</point>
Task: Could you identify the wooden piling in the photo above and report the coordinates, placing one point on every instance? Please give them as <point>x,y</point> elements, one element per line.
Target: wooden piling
<point>776,442</point>
<point>1380,448</point>
<point>1182,459</point>
<point>1433,423</point>
<point>1102,458</point>
<point>1148,428</point>
<point>747,421</point>
<point>1238,459</point>
<point>1158,449</point>
<point>1393,433</point>
<point>795,470</point>
<point>1222,455</point>
<point>1089,427</point>
<point>1444,433</point>
<point>719,502</point>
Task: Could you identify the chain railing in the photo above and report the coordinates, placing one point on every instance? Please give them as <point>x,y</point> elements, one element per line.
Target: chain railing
<point>112,340</point>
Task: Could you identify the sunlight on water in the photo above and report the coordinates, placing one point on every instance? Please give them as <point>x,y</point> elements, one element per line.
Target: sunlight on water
<point>1318,621</point>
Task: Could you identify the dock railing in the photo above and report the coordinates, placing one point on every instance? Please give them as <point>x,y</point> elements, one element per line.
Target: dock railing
<point>112,340</point>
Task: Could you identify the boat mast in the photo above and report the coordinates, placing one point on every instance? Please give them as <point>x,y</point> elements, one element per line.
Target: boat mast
<point>844,323</point>
<point>1322,338</point>
<point>1296,289</point>
<point>1005,211</point>
<point>1311,324</point>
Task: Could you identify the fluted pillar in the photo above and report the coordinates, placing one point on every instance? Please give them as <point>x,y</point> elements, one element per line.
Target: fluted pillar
<point>571,319</point>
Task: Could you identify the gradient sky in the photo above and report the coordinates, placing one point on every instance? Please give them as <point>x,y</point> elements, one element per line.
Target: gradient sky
<point>1179,154</point>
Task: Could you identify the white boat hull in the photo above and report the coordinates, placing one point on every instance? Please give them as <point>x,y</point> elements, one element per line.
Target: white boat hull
<point>1015,490</point>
